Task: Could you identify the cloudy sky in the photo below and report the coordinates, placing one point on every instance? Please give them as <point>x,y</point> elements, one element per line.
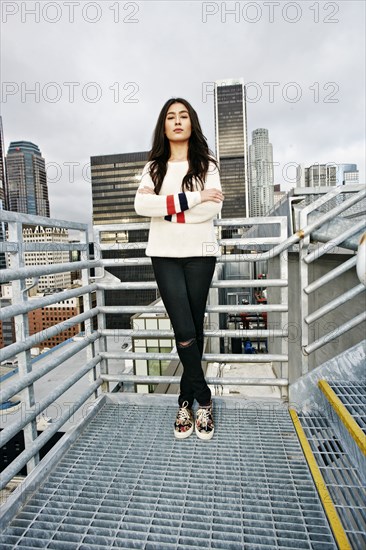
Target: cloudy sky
<point>89,78</point>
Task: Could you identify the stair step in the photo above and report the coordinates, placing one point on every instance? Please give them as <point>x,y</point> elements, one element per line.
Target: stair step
<point>345,398</point>
<point>353,396</point>
<point>342,478</point>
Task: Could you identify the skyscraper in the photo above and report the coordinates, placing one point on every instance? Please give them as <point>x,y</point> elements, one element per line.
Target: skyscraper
<point>3,186</point>
<point>260,173</point>
<point>231,146</point>
<point>27,179</point>
<point>3,193</point>
<point>115,179</point>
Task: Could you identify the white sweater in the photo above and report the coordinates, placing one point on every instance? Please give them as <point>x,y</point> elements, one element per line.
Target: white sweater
<point>181,225</point>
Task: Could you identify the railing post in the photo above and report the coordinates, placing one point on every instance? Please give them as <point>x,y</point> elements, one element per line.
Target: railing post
<point>87,305</point>
<point>304,298</point>
<point>102,341</point>
<point>19,295</point>
<point>284,270</point>
<point>213,318</point>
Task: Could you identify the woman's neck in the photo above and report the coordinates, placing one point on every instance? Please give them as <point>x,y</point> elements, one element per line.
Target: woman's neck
<point>178,151</point>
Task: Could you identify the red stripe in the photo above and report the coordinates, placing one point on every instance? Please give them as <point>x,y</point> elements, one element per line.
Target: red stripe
<point>170,206</point>
<point>180,217</point>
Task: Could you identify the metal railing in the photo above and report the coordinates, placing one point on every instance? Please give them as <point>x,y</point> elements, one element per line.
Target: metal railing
<point>21,306</point>
<point>95,342</point>
<point>336,235</point>
<point>246,250</point>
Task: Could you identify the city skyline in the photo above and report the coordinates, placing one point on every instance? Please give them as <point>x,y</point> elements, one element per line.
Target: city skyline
<point>310,97</point>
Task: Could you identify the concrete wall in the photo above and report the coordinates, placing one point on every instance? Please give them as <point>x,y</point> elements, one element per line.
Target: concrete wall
<point>317,299</point>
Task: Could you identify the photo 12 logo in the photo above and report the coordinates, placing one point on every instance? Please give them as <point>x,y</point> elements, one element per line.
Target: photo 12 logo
<point>269,12</point>
<point>289,92</point>
<point>71,12</point>
<point>54,92</point>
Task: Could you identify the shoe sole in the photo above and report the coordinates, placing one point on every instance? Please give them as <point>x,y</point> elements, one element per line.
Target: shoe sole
<point>183,435</point>
<point>204,436</point>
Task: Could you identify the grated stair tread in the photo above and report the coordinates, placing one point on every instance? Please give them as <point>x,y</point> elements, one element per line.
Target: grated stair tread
<point>128,483</point>
<point>353,396</point>
<point>340,475</point>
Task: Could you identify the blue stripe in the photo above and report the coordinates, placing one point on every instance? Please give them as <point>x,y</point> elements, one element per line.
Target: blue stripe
<point>168,218</point>
<point>183,202</point>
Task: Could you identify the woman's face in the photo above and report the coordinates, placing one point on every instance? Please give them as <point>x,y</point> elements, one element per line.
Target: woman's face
<point>177,123</point>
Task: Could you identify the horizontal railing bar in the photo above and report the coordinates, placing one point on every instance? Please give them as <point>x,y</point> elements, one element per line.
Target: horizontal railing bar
<point>224,242</point>
<point>250,241</point>
<point>331,275</point>
<point>237,381</point>
<point>248,222</point>
<point>39,270</point>
<point>234,283</point>
<point>210,357</point>
<point>120,227</point>
<point>241,222</point>
<point>335,333</point>
<point>250,283</point>
<point>29,219</point>
<point>219,333</point>
<point>330,245</point>
<point>224,258</point>
<point>31,414</point>
<point>25,381</point>
<point>324,189</point>
<point>49,332</point>
<point>116,246</point>
<point>333,304</point>
<point>17,464</point>
<point>42,247</point>
<point>262,308</point>
<point>36,303</point>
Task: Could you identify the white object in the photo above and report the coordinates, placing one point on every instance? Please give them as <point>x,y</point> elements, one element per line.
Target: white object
<point>361,260</point>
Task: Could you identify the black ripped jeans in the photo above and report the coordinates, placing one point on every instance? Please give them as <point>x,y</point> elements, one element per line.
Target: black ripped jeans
<point>184,284</point>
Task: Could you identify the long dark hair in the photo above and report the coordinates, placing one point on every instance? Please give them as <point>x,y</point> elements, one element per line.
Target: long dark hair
<point>199,155</point>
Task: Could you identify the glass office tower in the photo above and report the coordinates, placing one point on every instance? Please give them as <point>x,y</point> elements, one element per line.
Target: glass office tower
<point>115,179</point>
<point>3,193</point>
<point>231,146</point>
<point>27,179</point>
<point>3,187</point>
<point>114,182</point>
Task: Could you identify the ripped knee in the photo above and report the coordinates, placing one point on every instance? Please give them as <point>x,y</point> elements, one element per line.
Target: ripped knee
<point>187,344</point>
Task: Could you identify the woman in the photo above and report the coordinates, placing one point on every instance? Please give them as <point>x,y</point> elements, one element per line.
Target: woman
<point>180,190</point>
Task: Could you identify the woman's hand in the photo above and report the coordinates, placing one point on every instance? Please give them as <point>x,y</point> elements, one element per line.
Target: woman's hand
<point>214,195</point>
<point>147,190</point>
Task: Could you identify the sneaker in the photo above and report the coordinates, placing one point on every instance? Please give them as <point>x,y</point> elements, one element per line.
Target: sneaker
<point>183,425</point>
<point>204,425</point>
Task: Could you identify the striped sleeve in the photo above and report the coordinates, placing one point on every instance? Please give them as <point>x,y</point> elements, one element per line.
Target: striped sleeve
<point>204,211</point>
<point>150,205</point>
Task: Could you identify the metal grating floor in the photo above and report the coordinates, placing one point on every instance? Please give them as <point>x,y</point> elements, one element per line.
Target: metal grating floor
<point>340,475</point>
<point>128,483</point>
<point>353,397</point>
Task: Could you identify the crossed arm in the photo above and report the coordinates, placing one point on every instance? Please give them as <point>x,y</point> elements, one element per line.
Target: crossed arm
<point>187,207</point>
